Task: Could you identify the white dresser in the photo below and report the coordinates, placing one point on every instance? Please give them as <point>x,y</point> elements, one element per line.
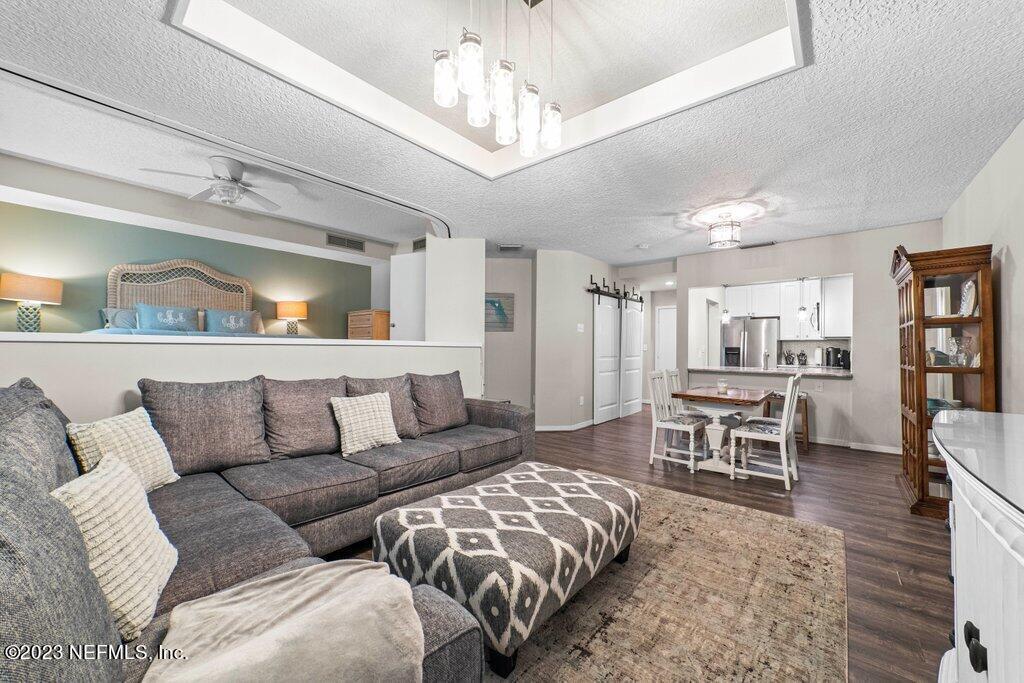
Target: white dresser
<point>984,453</point>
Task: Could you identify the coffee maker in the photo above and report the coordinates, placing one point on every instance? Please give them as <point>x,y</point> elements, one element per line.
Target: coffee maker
<point>836,357</point>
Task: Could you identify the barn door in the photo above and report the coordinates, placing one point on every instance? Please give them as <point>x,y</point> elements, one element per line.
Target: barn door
<point>631,359</point>
<point>606,359</point>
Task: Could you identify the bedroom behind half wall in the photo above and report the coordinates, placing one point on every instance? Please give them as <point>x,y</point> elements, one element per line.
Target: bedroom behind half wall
<point>79,251</point>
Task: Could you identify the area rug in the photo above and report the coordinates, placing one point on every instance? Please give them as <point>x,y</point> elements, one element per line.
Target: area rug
<point>711,592</point>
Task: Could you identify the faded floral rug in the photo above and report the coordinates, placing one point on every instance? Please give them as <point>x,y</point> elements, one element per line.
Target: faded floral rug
<point>711,592</point>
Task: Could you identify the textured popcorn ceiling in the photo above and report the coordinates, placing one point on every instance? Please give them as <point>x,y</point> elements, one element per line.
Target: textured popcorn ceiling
<point>603,50</point>
<point>901,104</point>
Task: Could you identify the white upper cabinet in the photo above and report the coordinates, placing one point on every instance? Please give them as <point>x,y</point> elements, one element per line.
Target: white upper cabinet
<point>811,329</point>
<point>789,298</point>
<point>765,300</point>
<point>792,296</point>
<point>737,300</point>
<point>837,306</point>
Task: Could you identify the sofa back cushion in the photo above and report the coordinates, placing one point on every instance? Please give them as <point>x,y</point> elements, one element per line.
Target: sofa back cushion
<point>439,402</point>
<point>208,427</point>
<point>33,442</point>
<point>49,594</point>
<point>298,415</point>
<point>21,395</point>
<point>399,389</point>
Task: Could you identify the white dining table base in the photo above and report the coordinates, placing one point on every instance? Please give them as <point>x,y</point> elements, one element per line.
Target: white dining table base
<point>717,435</point>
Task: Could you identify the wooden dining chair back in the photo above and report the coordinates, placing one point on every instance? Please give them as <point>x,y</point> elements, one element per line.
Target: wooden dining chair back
<point>775,431</point>
<point>664,419</point>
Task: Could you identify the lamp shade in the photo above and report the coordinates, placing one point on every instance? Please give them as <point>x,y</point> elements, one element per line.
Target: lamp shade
<point>292,310</point>
<point>44,290</point>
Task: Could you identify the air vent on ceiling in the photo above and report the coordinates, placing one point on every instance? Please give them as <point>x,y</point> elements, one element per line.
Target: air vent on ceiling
<point>757,245</point>
<point>505,248</point>
<point>343,242</point>
<point>420,244</point>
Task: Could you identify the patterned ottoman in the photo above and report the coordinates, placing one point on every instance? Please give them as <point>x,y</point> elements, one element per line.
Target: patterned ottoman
<point>513,548</point>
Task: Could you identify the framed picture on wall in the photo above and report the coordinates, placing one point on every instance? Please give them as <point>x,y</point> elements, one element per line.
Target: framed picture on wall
<point>499,312</point>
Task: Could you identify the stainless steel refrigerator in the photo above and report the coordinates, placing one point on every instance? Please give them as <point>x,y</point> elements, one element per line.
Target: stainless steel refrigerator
<point>745,340</point>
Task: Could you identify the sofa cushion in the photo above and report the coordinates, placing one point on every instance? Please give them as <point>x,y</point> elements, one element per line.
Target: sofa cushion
<point>208,427</point>
<point>48,593</point>
<point>131,439</point>
<point>21,395</point>
<point>221,546</point>
<point>439,401</point>
<point>298,415</point>
<point>33,442</point>
<point>191,494</point>
<point>408,463</point>
<point>128,553</point>
<point>399,390</point>
<point>303,489</point>
<point>479,446</point>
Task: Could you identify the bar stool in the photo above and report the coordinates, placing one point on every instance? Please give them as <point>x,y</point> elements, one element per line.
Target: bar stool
<point>804,433</point>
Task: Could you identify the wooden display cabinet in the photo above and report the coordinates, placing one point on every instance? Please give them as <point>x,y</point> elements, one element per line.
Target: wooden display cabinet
<point>947,357</point>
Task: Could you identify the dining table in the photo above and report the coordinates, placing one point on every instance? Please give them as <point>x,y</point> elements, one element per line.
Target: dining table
<point>719,403</point>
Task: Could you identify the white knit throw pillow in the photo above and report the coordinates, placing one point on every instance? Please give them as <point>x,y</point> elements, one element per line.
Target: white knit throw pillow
<point>131,439</point>
<point>364,422</point>
<point>129,554</point>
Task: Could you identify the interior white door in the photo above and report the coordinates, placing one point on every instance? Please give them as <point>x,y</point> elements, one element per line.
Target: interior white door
<point>665,338</point>
<point>631,358</point>
<point>408,296</point>
<point>606,359</point>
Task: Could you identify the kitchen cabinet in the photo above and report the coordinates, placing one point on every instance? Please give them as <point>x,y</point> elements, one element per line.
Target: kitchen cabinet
<point>737,300</point>
<point>765,300</point>
<point>811,328</point>
<point>837,306</point>
<point>789,301</point>
<point>792,295</point>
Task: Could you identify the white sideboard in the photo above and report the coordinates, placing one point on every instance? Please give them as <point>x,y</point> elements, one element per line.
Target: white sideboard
<point>984,453</point>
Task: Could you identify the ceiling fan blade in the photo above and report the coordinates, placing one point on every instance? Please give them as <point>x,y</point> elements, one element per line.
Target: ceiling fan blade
<point>202,196</point>
<point>226,167</point>
<point>175,173</point>
<point>261,201</point>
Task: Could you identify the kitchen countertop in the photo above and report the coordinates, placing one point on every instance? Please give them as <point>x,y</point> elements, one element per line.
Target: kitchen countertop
<point>779,371</point>
<point>988,446</point>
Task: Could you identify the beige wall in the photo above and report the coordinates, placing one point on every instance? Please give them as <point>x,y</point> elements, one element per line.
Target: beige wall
<point>454,308</point>
<point>991,211</point>
<point>648,341</point>
<point>874,403</point>
<point>564,360</point>
<point>508,364</point>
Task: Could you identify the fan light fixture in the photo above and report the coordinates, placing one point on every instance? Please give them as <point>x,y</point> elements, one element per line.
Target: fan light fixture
<point>493,95</point>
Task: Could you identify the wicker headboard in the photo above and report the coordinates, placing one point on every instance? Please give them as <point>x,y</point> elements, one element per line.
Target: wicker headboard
<point>180,282</point>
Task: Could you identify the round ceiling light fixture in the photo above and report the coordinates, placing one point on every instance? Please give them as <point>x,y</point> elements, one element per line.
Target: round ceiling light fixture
<point>724,234</point>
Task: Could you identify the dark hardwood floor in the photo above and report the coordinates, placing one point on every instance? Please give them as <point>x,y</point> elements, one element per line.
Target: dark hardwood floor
<point>900,607</point>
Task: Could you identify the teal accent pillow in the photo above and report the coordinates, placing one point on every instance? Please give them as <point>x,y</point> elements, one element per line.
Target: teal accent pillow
<point>167,318</point>
<point>230,322</point>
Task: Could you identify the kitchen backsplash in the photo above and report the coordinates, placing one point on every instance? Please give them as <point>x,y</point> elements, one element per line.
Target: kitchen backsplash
<point>808,346</point>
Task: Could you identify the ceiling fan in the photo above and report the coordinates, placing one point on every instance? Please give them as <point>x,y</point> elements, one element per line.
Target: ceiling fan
<point>226,184</point>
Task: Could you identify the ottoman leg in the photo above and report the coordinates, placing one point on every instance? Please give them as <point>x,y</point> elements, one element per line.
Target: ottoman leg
<point>500,664</point>
<point>623,556</point>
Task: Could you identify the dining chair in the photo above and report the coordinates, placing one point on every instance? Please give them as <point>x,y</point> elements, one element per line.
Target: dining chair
<point>664,418</point>
<point>675,384</point>
<point>780,432</point>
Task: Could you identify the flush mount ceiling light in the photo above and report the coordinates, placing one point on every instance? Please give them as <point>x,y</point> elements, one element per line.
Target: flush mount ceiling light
<point>724,234</point>
<point>494,93</point>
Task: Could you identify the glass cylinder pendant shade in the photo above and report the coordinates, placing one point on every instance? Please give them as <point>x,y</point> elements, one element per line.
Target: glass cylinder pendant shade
<point>471,63</point>
<point>529,143</point>
<point>446,82</point>
<point>477,113</point>
<point>505,128</point>
<point>502,99</point>
<point>551,126</point>
<point>529,109</point>
<point>724,235</point>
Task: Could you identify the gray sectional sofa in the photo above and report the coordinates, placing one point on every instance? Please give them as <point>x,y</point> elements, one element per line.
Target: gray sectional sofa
<point>262,490</point>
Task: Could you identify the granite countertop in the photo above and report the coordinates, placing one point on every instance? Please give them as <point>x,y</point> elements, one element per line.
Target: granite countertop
<point>988,445</point>
<point>779,371</point>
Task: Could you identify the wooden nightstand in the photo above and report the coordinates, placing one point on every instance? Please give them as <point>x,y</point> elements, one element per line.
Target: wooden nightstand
<point>372,323</point>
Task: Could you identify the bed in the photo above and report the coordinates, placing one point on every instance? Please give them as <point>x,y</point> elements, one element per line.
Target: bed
<point>176,283</point>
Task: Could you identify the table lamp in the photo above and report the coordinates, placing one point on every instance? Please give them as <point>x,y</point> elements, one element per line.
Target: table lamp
<point>292,312</point>
<point>30,292</point>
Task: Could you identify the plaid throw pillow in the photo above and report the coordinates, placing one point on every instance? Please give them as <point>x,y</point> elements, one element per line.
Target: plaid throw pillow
<point>364,422</point>
<point>131,439</point>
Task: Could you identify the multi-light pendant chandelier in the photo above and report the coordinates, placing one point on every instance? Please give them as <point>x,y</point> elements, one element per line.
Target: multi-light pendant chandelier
<point>494,93</point>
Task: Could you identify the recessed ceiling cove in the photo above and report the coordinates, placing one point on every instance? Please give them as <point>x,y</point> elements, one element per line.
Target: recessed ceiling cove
<point>618,65</point>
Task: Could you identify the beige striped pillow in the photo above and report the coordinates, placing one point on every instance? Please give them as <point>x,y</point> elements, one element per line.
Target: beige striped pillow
<point>129,554</point>
<point>364,422</point>
<point>131,439</point>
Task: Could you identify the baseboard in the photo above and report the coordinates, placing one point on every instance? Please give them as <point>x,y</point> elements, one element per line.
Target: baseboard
<point>876,448</point>
<point>564,428</point>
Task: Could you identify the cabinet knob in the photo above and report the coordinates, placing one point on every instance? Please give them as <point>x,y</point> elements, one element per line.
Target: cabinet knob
<point>977,653</point>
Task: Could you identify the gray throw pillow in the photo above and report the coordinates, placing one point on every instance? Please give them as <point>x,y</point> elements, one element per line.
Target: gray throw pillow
<point>21,395</point>
<point>399,389</point>
<point>34,442</point>
<point>439,401</point>
<point>49,594</point>
<point>208,427</point>
<point>298,415</point>
<point>119,318</point>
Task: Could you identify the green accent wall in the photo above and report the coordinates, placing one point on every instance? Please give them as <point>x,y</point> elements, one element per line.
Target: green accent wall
<point>79,251</point>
